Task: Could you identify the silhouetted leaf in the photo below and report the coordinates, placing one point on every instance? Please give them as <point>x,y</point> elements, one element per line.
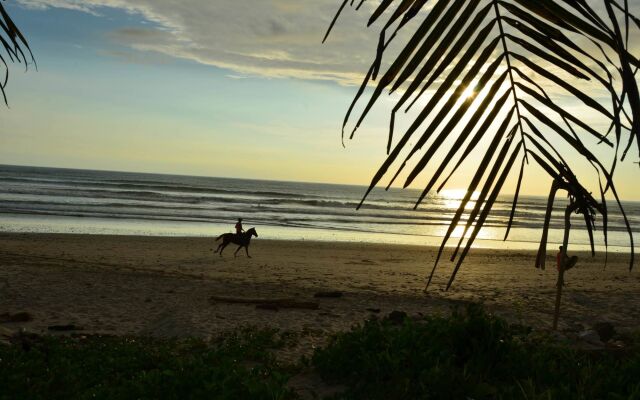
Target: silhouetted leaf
<point>455,50</point>
<point>423,114</point>
<point>384,4</point>
<point>404,6</point>
<point>547,41</point>
<point>556,49</point>
<point>515,199</point>
<point>487,209</point>
<point>548,57</point>
<point>466,131</point>
<point>455,118</point>
<point>436,33</point>
<point>587,100</point>
<point>395,68</point>
<point>333,22</point>
<point>484,192</point>
<point>481,131</point>
<point>13,42</point>
<point>542,249</point>
<point>482,166</point>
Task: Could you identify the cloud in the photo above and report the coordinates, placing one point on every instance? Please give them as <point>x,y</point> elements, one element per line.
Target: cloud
<point>135,57</point>
<point>273,38</point>
<point>69,5</point>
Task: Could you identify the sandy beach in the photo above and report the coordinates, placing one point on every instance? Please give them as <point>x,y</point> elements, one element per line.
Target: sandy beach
<point>163,286</point>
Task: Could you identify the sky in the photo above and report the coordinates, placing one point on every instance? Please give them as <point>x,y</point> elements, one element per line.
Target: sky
<point>230,88</point>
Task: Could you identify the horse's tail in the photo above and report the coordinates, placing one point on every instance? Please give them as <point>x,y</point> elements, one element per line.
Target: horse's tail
<point>218,238</point>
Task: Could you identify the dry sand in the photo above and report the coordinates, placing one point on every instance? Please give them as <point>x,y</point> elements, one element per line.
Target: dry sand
<point>161,286</point>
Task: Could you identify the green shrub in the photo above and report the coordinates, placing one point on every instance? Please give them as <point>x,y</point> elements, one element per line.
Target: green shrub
<point>236,367</point>
<point>470,355</point>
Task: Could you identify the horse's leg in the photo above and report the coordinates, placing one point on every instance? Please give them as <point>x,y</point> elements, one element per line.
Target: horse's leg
<point>236,253</point>
<point>246,249</point>
<point>223,245</point>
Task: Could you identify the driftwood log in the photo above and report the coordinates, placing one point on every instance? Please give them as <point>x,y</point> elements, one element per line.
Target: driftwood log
<point>267,304</point>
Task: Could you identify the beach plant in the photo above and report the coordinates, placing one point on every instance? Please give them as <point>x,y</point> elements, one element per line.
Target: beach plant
<point>15,49</point>
<point>502,77</point>
<point>240,365</point>
<point>472,354</point>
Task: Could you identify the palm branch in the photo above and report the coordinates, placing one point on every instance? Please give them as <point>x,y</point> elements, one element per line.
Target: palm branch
<point>496,46</point>
<point>14,45</point>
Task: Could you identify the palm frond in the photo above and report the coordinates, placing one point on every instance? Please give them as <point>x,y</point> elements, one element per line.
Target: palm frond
<point>496,46</point>
<point>13,46</point>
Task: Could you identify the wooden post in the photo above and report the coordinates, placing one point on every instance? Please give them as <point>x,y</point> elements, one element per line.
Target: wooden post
<point>565,243</point>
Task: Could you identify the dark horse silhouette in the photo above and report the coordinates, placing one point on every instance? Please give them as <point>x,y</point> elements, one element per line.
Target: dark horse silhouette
<point>242,240</point>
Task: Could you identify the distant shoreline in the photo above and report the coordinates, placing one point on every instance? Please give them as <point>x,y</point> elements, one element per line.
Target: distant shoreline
<point>203,230</point>
<point>551,247</point>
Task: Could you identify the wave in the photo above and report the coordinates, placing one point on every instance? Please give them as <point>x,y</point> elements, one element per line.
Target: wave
<point>194,194</point>
<point>265,216</point>
<point>323,209</point>
<point>146,187</point>
<point>141,197</point>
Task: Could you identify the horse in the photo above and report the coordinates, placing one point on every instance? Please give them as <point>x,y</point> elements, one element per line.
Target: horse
<point>243,240</point>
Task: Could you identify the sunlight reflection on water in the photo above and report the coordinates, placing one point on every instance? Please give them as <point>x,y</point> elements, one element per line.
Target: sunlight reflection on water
<point>36,199</point>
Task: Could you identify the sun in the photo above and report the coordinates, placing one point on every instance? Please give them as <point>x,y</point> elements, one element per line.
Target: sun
<point>468,93</point>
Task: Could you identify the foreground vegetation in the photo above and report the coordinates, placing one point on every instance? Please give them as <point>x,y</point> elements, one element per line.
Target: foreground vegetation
<point>467,355</point>
<point>472,355</point>
<point>237,367</point>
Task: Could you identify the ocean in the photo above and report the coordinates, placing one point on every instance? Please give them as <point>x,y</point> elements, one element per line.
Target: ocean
<point>35,199</point>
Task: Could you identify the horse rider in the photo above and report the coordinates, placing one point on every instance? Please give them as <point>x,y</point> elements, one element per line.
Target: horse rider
<point>239,229</point>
